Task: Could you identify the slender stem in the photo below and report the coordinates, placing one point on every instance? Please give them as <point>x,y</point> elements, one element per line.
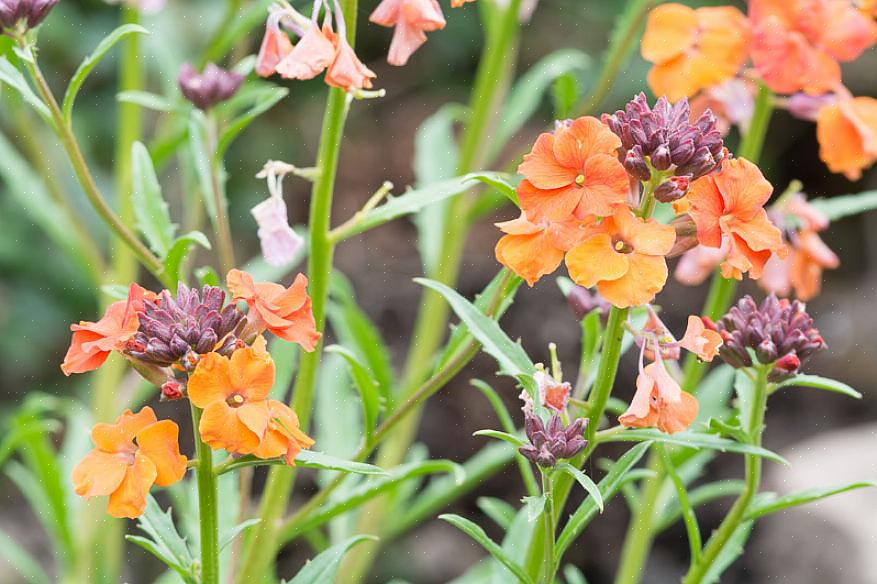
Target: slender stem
<point>549,527</point>
<point>753,141</point>
<point>221,222</point>
<point>262,545</point>
<point>737,514</point>
<point>691,526</point>
<point>207,506</point>
<point>84,176</point>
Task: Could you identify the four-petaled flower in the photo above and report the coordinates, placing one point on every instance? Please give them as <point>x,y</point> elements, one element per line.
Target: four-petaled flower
<point>659,402</point>
<point>847,134</point>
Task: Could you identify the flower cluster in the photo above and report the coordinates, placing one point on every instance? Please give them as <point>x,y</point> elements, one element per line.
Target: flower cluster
<point>192,345</point>
<point>779,333</point>
<point>552,442</point>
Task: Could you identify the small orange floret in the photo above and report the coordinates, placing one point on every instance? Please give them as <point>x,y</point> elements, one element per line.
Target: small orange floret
<point>286,312</point>
<point>693,49</point>
<point>700,340</point>
<point>624,259</point>
<point>798,44</point>
<point>283,436</point>
<point>532,250</point>
<point>847,133</point>
<point>412,19</point>
<point>92,342</point>
<point>573,171</point>
<point>729,207</point>
<point>131,455</point>
<point>458,3</point>
<point>659,402</point>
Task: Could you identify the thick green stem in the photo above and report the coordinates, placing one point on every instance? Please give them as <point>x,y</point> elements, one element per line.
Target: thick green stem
<point>207,506</point>
<point>737,514</point>
<point>262,544</point>
<point>549,528</point>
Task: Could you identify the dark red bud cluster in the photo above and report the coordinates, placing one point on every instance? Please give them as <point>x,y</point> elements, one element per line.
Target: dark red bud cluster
<point>552,442</point>
<point>209,88</point>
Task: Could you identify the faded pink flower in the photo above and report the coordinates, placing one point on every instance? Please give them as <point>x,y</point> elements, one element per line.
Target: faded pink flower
<point>275,46</point>
<point>697,264</point>
<point>280,244</point>
<point>412,19</point>
<point>310,57</point>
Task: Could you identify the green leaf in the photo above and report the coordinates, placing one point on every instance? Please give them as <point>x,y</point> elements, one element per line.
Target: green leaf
<point>21,561</point>
<point>417,199</point>
<point>731,430</point>
<point>837,208</point>
<point>771,505</point>
<point>509,355</point>
<point>697,497</point>
<point>365,384</point>
<point>11,76</point>
<point>207,276</point>
<point>609,486</point>
<point>504,436</point>
<point>573,575</point>
<point>229,535</point>
<point>714,393</point>
<point>150,208</point>
<point>584,480</point>
<point>178,251</point>
<point>285,355</point>
<point>534,506</point>
<point>802,380</point>
<point>322,569</point>
<point>203,160</point>
<point>147,100</point>
<point>23,433</point>
<point>306,459</point>
<point>164,541</point>
<point>733,549</point>
<point>476,533</point>
<point>693,440</point>
<point>527,93</point>
<point>564,95</point>
<point>500,184</point>
<point>498,510</point>
<point>264,100</point>
<point>91,61</point>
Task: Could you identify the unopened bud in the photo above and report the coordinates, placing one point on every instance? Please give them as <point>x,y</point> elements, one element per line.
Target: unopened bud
<point>672,189</point>
<point>172,390</point>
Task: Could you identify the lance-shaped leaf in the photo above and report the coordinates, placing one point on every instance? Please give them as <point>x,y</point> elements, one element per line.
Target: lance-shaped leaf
<point>11,76</point>
<point>769,505</point>
<point>164,541</point>
<point>365,384</point>
<point>150,208</point>
<point>585,481</point>
<point>818,382</point>
<point>306,459</point>
<point>475,532</point>
<point>693,440</point>
<point>173,260</point>
<point>498,510</point>
<point>839,207</point>
<point>515,441</point>
<point>263,99</point>
<point>322,569</point>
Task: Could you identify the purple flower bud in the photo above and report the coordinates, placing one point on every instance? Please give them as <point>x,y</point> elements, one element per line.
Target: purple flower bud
<point>583,302</point>
<point>209,88</point>
<point>635,164</point>
<point>31,12</point>
<point>672,189</point>
<point>553,442</point>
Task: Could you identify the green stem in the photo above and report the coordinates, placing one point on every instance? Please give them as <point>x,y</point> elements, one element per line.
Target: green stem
<point>84,176</point>
<point>549,527</point>
<point>220,202</point>
<point>737,514</point>
<point>207,506</point>
<point>691,526</point>
<point>262,543</point>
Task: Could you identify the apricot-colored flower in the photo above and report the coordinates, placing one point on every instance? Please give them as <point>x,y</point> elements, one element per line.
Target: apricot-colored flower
<point>697,264</point>
<point>693,49</point>
<point>412,19</point>
<point>624,259</point>
<point>802,270</point>
<point>797,44</point>
<point>847,134</point>
<point>284,436</point>
<point>574,171</point>
<point>346,70</point>
<point>92,342</point>
<point>311,56</point>
<point>275,47</point>
<point>532,250</point>
<point>729,206</point>
<point>700,340</point>
<point>233,392</point>
<point>131,455</point>
<point>286,312</point>
<point>458,3</point>
<point>659,402</point>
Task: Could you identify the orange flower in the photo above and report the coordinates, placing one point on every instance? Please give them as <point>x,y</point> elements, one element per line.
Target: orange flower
<point>700,340</point>
<point>532,250</point>
<point>310,57</point>
<point>233,393</point>
<point>697,264</point>
<point>659,402</point>
<point>847,133</point>
<point>729,206</point>
<point>624,259</point>
<point>412,18</point>
<point>275,47</point>
<point>574,171</point>
<point>797,43</point>
<point>92,342</point>
<point>458,3</point>
<point>131,455</point>
<point>346,70</point>
<point>693,49</point>
<point>802,270</point>
<point>286,312</point>
<point>283,436</point>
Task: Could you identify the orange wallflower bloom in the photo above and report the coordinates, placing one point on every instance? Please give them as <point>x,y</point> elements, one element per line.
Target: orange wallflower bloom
<point>532,250</point>
<point>233,393</point>
<point>131,455</point>
<point>802,271</point>
<point>847,133</point>
<point>693,49</point>
<point>411,19</point>
<point>283,436</point>
<point>310,57</point>
<point>346,70</point>
<point>797,43</point>
<point>700,340</point>
<point>624,259</point>
<point>286,312</point>
<point>659,402</point>
<point>274,48</point>
<point>574,171</point>
<point>92,342</point>
<point>729,206</point>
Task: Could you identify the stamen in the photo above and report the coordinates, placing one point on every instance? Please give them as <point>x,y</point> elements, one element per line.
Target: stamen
<point>580,179</point>
<point>238,399</point>
<point>619,246</point>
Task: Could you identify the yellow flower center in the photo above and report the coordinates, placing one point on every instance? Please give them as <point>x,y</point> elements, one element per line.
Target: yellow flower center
<point>622,246</point>
<point>580,179</point>
<point>235,400</point>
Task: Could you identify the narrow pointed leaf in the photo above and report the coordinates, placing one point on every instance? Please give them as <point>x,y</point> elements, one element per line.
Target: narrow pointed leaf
<point>504,436</point>
<point>365,384</point>
<point>182,245</point>
<point>694,440</point>
<point>818,382</point>
<point>322,569</point>
<point>14,79</point>
<point>229,535</point>
<point>264,100</point>
<point>768,506</point>
<point>585,481</point>
<point>150,208</point>
<point>837,208</point>
<point>498,510</point>
<point>475,532</point>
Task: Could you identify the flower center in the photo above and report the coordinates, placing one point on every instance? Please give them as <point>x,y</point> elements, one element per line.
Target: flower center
<point>235,400</point>
<point>580,179</point>
<point>622,246</point>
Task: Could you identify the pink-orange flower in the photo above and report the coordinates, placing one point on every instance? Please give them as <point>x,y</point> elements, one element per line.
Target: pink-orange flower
<point>573,172</point>
<point>286,312</point>
<point>847,134</point>
<point>458,3</point>
<point>412,19</point>
<point>659,402</point>
<point>797,44</point>
<point>311,56</point>
<point>729,206</point>
<point>697,264</point>
<point>130,456</point>
<point>275,47</point>
<point>92,342</point>
<point>693,49</point>
<point>283,436</point>
<point>624,258</point>
<point>347,71</point>
<point>700,340</point>
<point>532,250</point>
